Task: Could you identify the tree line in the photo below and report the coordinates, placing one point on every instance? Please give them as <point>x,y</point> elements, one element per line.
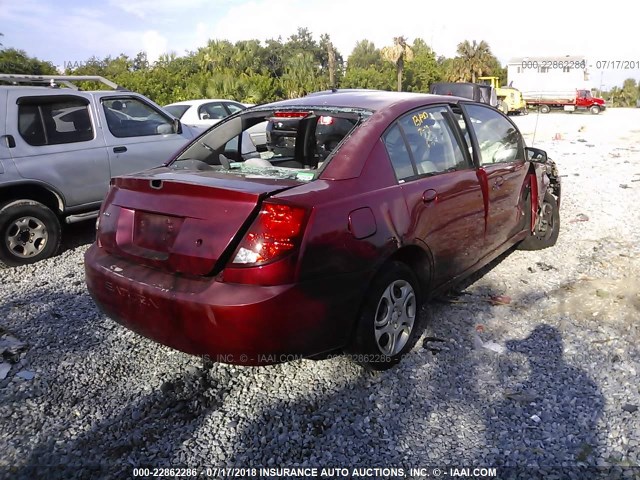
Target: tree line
<point>252,71</point>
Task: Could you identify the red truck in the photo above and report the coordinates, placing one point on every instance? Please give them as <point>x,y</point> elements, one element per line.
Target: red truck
<point>569,101</point>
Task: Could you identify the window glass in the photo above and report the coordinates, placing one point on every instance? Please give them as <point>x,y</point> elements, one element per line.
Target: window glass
<point>177,110</point>
<point>130,117</point>
<point>233,108</point>
<point>398,153</point>
<point>432,143</point>
<point>53,123</point>
<point>498,139</point>
<point>212,111</point>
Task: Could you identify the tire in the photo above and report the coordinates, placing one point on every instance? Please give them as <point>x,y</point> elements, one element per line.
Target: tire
<point>391,303</point>
<point>29,232</point>
<point>547,228</point>
<point>545,109</point>
<point>595,109</point>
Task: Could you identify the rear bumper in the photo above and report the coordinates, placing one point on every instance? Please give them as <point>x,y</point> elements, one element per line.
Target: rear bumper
<point>230,323</point>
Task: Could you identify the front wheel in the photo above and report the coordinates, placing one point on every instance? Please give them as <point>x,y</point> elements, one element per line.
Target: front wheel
<point>595,109</point>
<point>29,232</point>
<point>547,227</point>
<point>388,323</point>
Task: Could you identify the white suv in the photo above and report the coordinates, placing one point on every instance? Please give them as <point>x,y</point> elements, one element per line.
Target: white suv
<point>59,147</point>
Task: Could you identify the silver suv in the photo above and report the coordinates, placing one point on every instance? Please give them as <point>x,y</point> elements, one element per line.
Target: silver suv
<point>59,147</point>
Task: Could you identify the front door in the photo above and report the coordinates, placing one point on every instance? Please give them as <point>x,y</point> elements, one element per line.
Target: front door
<point>138,135</point>
<point>501,159</point>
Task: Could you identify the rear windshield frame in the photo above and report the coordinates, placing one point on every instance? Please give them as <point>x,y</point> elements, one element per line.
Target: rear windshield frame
<point>358,114</point>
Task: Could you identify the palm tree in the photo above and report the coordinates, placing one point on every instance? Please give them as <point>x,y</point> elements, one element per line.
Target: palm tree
<point>398,53</point>
<point>476,58</point>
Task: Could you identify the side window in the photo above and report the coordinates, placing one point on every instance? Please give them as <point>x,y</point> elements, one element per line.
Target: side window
<point>211,111</point>
<point>130,117</point>
<point>233,108</point>
<point>398,153</point>
<point>432,142</point>
<point>53,122</point>
<point>498,139</point>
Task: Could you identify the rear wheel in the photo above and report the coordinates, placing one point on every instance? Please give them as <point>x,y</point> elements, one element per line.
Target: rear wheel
<point>29,232</point>
<point>595,109</point>
<point>547,227</point>
<point>545,109</point>
<point>388,323</point>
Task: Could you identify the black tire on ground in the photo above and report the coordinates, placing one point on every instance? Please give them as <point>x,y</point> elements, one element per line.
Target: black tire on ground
<point>544,109</point>
<point>595,109</point>
<point>29,232</point>
<point>547,228</point>
<point>389,321</point>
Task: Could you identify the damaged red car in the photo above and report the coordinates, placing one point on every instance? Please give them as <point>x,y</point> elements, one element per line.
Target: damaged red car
<point>259,257</point>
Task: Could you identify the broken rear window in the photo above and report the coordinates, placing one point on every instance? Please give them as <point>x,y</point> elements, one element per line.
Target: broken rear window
<point>289,143</point>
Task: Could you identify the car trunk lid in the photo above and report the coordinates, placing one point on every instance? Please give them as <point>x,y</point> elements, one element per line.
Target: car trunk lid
<point>183,222</point>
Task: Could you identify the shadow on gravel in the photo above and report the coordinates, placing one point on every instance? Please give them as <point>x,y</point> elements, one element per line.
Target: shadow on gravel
<point>77,235</point>
<point>551,409</point>
<point>146,433</point>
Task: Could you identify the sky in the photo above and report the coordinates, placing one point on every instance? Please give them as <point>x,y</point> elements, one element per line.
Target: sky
<point>71,31</point>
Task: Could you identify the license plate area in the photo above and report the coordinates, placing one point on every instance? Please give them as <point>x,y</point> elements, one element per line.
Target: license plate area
<point>155,232</point>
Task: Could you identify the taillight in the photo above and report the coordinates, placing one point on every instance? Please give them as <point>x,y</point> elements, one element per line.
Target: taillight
<point>325,120</point>
<point>277,231</point>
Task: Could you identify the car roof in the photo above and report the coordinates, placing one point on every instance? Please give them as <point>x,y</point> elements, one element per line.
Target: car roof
<point>364,99</point>
<point>201,102</point>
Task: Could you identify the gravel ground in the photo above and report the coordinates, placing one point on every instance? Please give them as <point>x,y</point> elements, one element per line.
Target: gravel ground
<point>534,365</point>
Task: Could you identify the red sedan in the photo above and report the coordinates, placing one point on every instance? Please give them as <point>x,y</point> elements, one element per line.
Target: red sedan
<point>260,257</point>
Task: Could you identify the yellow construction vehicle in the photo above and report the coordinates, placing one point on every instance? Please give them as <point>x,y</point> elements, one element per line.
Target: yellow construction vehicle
<point>509,99</point>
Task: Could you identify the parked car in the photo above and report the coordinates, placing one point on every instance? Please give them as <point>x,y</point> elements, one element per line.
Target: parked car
<point>262,260</point>
<point>204,112</point>
<point>208,112</point>
<point>59,147</point>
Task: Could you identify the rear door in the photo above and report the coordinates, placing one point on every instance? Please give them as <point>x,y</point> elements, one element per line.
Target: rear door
<point>57,142</point>
<point>501,160</point>
<point>139,135</point>
<point>440,187</point>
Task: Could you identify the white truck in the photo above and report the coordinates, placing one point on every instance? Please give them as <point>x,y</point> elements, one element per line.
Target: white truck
<point>550,83</point>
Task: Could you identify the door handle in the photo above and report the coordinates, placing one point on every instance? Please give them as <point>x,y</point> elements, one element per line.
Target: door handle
<point>498,183</point>
<point>119,149</point>
<point>429,196</point>
<point>10,141</point>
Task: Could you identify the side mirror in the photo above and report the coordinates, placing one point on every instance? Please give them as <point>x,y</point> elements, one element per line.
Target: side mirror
<point>177,126</point>
<point>205,116</point>
<point>536,155</point>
